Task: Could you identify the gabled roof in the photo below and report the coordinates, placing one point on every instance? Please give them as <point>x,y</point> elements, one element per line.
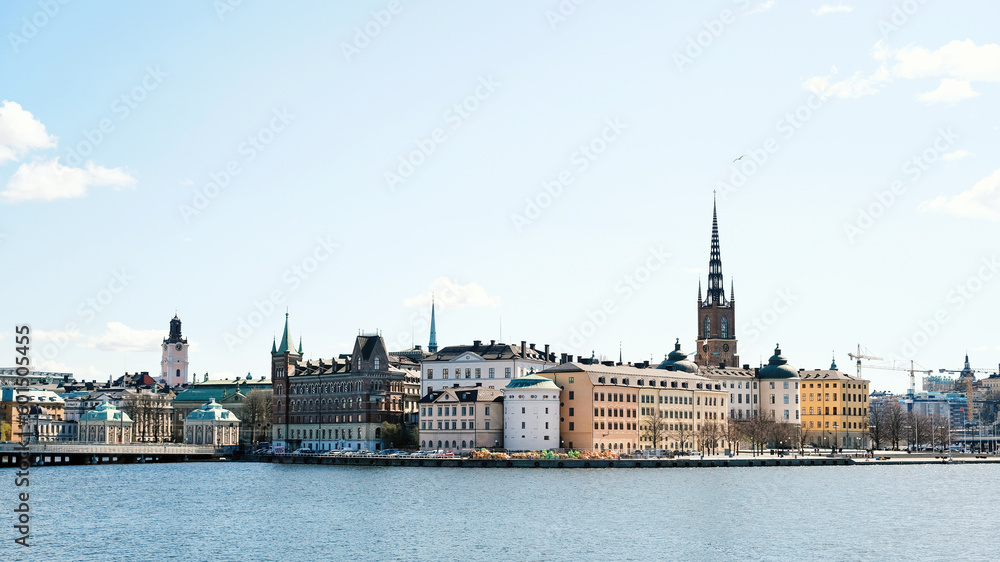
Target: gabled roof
<point>488,352</point>
<point>473,394</point>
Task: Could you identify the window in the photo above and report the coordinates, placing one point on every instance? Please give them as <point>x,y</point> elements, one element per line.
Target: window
<point>786,385</point>
<point>725,328</point>
<point>506,373</point>
<point>430,374</point>
<point>376,363</point>
<point>479,373</point>
<point>571,395</point>
<point>571,380</point>
<point>491,372</point>
<point>772,399</point>
<point>708,327</point>
<point>571,412</point>
<point>786,399</point>
<point>522,410</point>
<point>444,373</point>
<point>487,413</point>
<point>468,373</point>
<point>487,424</point>
<point>463,410</point>
<point>571,429</point>
<point>522,425</point>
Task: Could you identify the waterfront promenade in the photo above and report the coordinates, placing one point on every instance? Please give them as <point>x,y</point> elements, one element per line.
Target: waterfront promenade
<point>716,461</point>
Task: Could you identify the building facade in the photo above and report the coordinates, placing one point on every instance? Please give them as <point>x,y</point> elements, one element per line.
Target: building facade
<point>35,415</point>
<point>491,365</point>
<point>624,409</point>
<point>105,424</point>
<point>834,409</point>
<point>531,414</point>
<point>341,403</point>
<point>462,419</point>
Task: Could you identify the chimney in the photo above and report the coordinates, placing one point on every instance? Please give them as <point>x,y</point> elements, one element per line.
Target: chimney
<point>531,346</point>
<point>579,359</point>
<point>746,366</point>
<point>476,344</point>
<point>523,345</point>
<point>547,354</point>
<point>479,384</point>
<point>493,342</point>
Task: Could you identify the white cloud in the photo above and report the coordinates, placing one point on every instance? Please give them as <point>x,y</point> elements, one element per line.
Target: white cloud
<point>20,132</point>
<point>832,9</point>
<point>57,335</point>
<point>48,180</point>
<point>949,91</point>
<point>959,59</point>
<point>762,7</point>
<point>958,64</point>
<point>120,337</point>
<point>956,155</point>
<point>982,201</point>
<point>448,294</point>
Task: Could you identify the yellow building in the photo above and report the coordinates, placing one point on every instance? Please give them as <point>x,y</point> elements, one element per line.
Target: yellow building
<point>834,409</point>
<point>623,408</point>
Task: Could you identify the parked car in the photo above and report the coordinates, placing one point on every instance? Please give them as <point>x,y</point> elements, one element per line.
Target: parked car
<point>304,451</point>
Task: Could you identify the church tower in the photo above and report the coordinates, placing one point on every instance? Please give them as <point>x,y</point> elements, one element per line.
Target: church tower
<point>284,359</point>
<point>716,342</point>
<point>174,364</point>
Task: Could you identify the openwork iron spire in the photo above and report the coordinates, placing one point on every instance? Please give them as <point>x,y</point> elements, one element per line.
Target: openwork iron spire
<point>432,345</point>
<point>716,290</point>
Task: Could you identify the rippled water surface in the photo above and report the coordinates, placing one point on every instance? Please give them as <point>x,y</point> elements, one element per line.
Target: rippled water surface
<point>244,511</point>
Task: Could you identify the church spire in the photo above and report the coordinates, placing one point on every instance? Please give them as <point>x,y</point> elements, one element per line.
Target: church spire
<point>716,290</point>
<point>699,288</point>
<point>432,345</point>
<point>287,345</point>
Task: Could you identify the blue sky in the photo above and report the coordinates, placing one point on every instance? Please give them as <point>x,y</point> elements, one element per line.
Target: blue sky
<point>545,168</point>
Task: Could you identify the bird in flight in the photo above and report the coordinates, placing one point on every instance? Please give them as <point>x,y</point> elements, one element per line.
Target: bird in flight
<point>740,158</point>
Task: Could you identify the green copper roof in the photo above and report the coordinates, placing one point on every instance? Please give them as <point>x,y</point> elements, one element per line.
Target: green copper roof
<point>106,412</point>
<point>777,367</point>
<point>212,411</point>
<point>287,346</point>
<point>533,381</point>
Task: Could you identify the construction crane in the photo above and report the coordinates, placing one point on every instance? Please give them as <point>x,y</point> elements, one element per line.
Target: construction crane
<point>912,391</point>
<point>968,373</point>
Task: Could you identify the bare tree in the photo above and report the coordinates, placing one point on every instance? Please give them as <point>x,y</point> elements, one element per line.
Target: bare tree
<point>733,434</point>
<point>894,421</point>
<point>654,428</point>
<point>877,429</point>
<point>709,434</point>
<point>257,412</point>
<point>682,433</point>
<point>757,430</point>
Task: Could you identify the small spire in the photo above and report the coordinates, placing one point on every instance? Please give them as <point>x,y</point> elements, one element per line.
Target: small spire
<point>699,288</point>
<point>620,353</point>
<point>274,345</point>
<point>732,290</point>
<point>833,365</point>
<point>300,344</point>
<point>432,345</point>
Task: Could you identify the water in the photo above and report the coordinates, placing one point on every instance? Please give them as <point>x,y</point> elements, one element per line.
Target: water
<point>245,511</point>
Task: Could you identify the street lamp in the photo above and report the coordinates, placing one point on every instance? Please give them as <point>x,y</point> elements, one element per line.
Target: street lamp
<point>836,435</point>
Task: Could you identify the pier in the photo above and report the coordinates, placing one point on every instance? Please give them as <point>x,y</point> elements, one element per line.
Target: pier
<point>60,454</point>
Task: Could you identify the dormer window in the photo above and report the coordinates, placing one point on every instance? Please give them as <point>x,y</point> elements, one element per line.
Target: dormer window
<point>376,363</point>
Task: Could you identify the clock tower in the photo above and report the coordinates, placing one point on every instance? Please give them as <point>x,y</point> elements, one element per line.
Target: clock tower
<point>716,344</point>
<point>174,365</point>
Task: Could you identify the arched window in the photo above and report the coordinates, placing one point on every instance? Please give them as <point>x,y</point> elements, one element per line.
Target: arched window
<point>725,328</point>
<point>708,327</point>
<point>178,372</point>
<point>463,444</point>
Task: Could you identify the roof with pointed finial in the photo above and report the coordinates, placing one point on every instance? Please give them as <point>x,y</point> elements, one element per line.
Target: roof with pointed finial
<point>300,345</point>
<point>833,365</point>
<point>677,360</point>
<point>432,345</point>
<point>286,345</point>
<point>274,346</point>
<point>777,367</point>
<point>716,291</point>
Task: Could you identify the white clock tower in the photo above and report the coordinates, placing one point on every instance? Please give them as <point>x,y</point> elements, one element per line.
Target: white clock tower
<point>174,365</point>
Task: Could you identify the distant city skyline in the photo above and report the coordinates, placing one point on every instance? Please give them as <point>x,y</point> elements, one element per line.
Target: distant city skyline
<point>543,170</point>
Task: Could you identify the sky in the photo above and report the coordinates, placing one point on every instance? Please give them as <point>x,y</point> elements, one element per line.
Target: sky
<point>545,170</point>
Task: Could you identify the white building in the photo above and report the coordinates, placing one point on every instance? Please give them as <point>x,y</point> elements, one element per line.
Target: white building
<point>105,424</point>
<point>491,365</point>
<point>211,425</point>
<point>531,414</point>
